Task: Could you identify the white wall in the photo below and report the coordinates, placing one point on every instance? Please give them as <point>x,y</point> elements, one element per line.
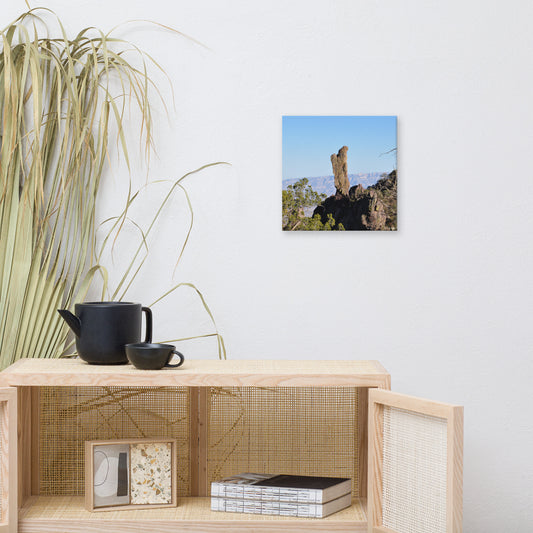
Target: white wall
<point>446,302</point>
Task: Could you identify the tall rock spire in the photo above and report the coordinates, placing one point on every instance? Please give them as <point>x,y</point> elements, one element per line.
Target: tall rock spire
<point>339,162</point>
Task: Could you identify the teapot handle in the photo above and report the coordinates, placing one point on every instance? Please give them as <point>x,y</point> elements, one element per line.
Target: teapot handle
<point>148,311</point>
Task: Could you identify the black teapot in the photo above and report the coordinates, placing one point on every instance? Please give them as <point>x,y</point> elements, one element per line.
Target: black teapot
<point>102,329</point>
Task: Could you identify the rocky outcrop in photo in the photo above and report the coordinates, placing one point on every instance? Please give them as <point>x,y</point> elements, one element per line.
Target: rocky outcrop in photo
<point>339,162</point>
<point>357,208</point>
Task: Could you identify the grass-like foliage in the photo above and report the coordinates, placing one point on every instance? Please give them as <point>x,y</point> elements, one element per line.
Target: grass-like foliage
<point>60,100</point>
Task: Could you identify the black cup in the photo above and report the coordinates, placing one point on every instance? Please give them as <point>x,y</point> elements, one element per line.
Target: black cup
<point>148,356</point>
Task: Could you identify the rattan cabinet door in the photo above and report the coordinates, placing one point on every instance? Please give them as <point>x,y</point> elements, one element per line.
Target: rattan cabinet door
<point>8,460</point>
<point>415,465</point>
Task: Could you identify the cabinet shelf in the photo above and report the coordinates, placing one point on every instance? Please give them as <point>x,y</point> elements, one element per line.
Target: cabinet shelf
<point>67,514</point>
<point>198,373</point>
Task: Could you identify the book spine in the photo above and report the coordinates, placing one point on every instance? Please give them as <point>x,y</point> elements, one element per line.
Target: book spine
<point>282,494</point>
<point>280,508</point>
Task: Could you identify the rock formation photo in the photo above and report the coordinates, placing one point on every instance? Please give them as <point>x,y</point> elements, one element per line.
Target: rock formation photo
<point>365,200</point>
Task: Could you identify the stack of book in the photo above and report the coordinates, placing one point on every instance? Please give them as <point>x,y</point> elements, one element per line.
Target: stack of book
<point>285,495</point>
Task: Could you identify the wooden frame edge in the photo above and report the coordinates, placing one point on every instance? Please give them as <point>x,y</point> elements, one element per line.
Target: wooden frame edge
<point>204,395</point>
<point>24,437</point>
<point>412,403</point>
<point>193,440</point>
<point>9,459</point>
<point>35,440</point>
<point>382,529</point>
<point>89,476</point>
<point>362,444</point>
<point>375,462</point>
<point>454,496</point>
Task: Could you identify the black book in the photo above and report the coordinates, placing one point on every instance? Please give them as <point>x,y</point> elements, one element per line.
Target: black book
<point>302,482</point>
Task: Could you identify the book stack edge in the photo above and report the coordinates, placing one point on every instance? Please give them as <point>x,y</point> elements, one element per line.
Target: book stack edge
<point>284,495</point>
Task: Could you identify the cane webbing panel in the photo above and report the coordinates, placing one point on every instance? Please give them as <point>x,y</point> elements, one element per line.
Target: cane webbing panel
<point>414,472</point>
<point>288,430</point>
<point>69,416</point>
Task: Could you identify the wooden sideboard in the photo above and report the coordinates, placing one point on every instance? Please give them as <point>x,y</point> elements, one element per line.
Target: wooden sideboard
<point>310,410</point>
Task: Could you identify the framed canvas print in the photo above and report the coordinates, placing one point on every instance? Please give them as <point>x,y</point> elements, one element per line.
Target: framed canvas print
<point>339,173</point>
<point>130,474</point>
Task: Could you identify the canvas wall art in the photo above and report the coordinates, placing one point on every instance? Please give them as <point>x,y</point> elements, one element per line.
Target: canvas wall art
<point>339,173</point>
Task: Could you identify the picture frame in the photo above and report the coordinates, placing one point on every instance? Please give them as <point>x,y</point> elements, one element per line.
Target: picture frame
<point>130,474</point>
<point>339,173</point>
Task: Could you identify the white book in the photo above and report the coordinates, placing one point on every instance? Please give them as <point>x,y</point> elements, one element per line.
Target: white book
<point>283,488</point>
<point>302,510</point>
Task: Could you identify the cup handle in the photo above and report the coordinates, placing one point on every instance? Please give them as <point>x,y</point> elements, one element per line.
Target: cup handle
<point>177,364</point>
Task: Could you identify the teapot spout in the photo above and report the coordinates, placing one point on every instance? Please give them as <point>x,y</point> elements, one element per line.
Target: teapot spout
<point>72,320</point>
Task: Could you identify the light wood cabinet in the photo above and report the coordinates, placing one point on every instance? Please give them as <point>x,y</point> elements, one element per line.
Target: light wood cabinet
<point>323,418</point>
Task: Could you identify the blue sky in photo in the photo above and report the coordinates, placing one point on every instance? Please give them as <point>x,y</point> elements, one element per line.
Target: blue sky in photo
<point>309,141</point>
